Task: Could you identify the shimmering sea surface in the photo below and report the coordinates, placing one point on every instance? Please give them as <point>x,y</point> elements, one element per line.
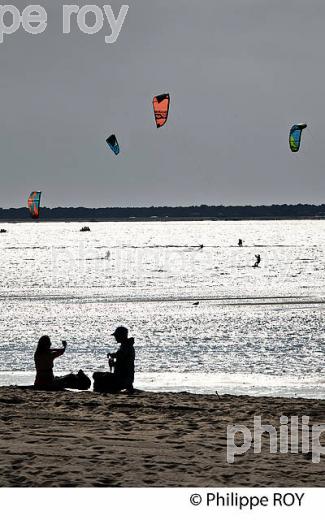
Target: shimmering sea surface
<point>255,331</point>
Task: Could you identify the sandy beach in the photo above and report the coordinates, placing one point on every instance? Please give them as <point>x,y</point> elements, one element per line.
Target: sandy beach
<point>147,439</point>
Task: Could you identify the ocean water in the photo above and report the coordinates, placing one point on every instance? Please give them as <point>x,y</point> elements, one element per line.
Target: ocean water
<point>255,331</point>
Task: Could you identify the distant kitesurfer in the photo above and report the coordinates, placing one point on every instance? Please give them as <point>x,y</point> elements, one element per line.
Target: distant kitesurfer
<point>122,362</point>
<point>258,260</point>
<point>240,242</point>
<point>44,360</point>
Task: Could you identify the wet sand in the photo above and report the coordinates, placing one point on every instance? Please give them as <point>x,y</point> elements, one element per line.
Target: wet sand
<point>161,439</point>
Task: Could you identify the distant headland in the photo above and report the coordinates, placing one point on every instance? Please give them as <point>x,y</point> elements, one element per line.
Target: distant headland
<point>203,212</point>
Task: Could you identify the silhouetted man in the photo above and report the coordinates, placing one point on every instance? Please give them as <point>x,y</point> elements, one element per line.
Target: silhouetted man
<point>121,362</point>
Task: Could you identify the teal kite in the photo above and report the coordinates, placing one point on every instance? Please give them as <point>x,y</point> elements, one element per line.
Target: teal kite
<point>295,137</point>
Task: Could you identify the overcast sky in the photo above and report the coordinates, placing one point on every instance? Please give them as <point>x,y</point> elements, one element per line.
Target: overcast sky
<point>239,73</point>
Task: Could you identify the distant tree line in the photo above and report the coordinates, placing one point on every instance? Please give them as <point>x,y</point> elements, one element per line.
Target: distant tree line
<point>275,211</point>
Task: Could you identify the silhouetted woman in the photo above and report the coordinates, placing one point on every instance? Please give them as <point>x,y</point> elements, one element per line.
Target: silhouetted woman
<point>44,361</point>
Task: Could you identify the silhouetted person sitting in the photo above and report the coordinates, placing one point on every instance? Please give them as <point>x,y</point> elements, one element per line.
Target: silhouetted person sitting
<point>121,362</point>
<point>44,360</point>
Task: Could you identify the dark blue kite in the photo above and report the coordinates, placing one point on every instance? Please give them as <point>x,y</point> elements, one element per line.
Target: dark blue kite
<point>113,144</point>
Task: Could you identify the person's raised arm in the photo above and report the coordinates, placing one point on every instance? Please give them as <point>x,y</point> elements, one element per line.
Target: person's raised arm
<point>56,352</point>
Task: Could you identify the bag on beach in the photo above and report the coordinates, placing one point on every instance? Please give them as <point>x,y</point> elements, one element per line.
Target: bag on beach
<point>72,381</point>
<point>106,382</point>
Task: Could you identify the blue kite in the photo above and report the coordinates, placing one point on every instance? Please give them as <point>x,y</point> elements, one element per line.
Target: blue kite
<point>113,144</point>
<point>295,136</point>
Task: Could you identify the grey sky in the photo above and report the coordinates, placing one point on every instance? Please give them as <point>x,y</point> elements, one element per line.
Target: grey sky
<point>239,72</point>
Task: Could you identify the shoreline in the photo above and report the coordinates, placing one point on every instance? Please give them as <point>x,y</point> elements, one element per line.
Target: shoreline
<point>203,383</point>
<point>158,219</point>
<point>147,439</point>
